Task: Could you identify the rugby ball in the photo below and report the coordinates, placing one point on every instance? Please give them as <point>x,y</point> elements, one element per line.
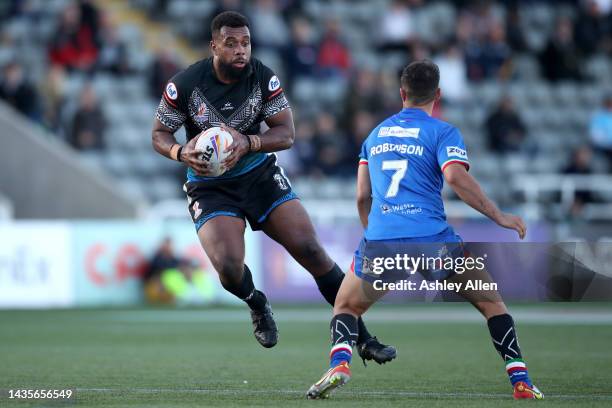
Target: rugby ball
<point>213,144</point>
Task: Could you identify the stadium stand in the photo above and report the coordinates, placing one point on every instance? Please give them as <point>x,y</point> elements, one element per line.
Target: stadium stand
<point>499,49</point>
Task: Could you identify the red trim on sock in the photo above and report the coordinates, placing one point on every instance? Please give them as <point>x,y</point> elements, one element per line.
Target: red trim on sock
<point>513,369</point>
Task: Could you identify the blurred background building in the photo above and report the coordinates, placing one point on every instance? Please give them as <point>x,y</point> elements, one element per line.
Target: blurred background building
<point>528,82</point>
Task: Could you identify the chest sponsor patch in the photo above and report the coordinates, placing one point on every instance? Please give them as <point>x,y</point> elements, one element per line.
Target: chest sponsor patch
<point>274,83</point>
<point>398,131</point>
<point>171,91</point>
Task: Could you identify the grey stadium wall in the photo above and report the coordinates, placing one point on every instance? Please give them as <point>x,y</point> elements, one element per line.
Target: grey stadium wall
<point>44,178</point>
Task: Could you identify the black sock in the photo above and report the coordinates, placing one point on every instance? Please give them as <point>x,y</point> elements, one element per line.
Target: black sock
<point>328,285</point>
<point>246,291</point>
<point>344,336</point>
<point>344,329</point>
<point>504,337</point>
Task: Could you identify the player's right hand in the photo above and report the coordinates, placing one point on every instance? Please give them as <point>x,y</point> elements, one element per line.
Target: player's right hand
<point>192,158</point>
<point>514,222</point>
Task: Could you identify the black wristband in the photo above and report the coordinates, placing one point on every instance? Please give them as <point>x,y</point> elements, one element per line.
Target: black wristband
<point>178,153</point>
<point>248,140</point>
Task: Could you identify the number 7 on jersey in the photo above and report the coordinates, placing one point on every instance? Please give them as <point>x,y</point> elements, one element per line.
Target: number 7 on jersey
<point>400,167</point>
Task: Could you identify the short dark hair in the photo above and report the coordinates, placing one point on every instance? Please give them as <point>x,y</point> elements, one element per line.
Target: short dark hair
<point>420,80</point>
<point>228,19</point>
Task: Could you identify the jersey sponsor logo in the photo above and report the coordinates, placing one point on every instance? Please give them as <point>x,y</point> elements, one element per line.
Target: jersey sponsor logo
<point>399,148</point>
<point>171,91</point>
<point>456,152</point>
<point>398,131</point>
<point>227,106</point>
<point>404,209</point>
<point>274,83</point>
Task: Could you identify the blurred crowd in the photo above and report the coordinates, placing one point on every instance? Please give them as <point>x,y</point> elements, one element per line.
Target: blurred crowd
<point>321,60</point>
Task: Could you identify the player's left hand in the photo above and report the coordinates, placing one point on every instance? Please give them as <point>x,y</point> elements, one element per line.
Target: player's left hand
<point>238,148</point>
<point>514,222</point>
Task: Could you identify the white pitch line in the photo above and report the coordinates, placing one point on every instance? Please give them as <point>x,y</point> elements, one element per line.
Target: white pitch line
<point>466,315</point>
<point>417,394</point>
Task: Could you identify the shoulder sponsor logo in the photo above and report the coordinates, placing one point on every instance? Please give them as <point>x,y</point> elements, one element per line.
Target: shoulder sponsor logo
<point>456,151</point>
<point>274,84</point>
<point>398,131</point>
<point>171,91</point>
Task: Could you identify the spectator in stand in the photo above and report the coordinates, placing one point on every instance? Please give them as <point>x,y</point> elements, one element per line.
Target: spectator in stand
<point>89,123</point>
<point>489,58</point>
<point>74,44</point>
<point>331,146</point>
<point>580,164</point>
<point>268,27</point>
<point>362,124</point>
<point>453,74</point>
<point>396,27</point>
<point>600,129</point>
<point>364,94</point>
<point>18,92</point>
<point>593,28</point>
<point>476,21</point>
<point>505,129</point>
<point>514,30</point>
<point>560,59</point>
<point>160,71</point>
<point>304,148</point>
<point>54,98</point>
<point>300,56</point>
<point>113,56</point>
<point>224,5</point>
<point>334,59</point>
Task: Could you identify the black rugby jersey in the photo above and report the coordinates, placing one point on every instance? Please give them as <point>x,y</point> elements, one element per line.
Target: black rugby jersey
<point>196,99</point>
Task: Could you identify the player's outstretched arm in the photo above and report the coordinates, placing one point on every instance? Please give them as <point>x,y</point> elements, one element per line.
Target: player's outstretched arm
<point>468,190</point>
<point>364,194</point>
<point>165,144</point>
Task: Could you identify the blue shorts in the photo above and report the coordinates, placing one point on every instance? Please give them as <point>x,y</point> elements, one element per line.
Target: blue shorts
<point>426,255</point>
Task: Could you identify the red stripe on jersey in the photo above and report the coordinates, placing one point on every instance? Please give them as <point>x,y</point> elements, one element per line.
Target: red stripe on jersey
<point>279,90</point>
<point>467,166</point>
<point>170,101</point>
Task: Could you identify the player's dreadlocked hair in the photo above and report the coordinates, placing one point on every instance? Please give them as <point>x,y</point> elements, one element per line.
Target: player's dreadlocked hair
<point>420,80</point>
<point>228,19</point>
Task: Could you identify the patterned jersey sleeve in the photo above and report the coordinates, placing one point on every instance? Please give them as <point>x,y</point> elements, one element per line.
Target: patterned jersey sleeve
<point>451,149</point>
<point>363,154</point>
<point>172,109</point>
<point>274,99</point>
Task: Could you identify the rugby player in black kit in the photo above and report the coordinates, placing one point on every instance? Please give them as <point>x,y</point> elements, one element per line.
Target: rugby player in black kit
<point>237,92</point>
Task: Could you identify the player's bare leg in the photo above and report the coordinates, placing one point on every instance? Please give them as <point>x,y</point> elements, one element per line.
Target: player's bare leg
<point>289,225</point>
<point>503,333</point>
<point>354,298</point>
<point>222,238</point>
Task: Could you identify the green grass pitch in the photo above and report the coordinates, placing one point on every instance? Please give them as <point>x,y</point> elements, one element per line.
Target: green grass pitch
<point>208,357</point>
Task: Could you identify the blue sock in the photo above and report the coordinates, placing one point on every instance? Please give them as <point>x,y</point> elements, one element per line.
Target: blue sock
<point>339,353</point>
<point>517,371</point>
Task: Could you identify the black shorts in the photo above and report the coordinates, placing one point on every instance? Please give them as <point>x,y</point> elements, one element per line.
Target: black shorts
<point>252,195</point>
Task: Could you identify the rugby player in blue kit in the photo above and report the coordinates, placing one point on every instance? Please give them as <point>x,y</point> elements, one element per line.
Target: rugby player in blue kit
<point>402,167</point>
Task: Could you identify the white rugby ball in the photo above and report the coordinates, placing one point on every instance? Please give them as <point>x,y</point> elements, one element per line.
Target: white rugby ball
<point>213,144</point>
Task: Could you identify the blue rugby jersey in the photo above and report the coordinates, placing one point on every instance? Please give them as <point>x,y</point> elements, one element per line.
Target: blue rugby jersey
<point>406,155</point>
